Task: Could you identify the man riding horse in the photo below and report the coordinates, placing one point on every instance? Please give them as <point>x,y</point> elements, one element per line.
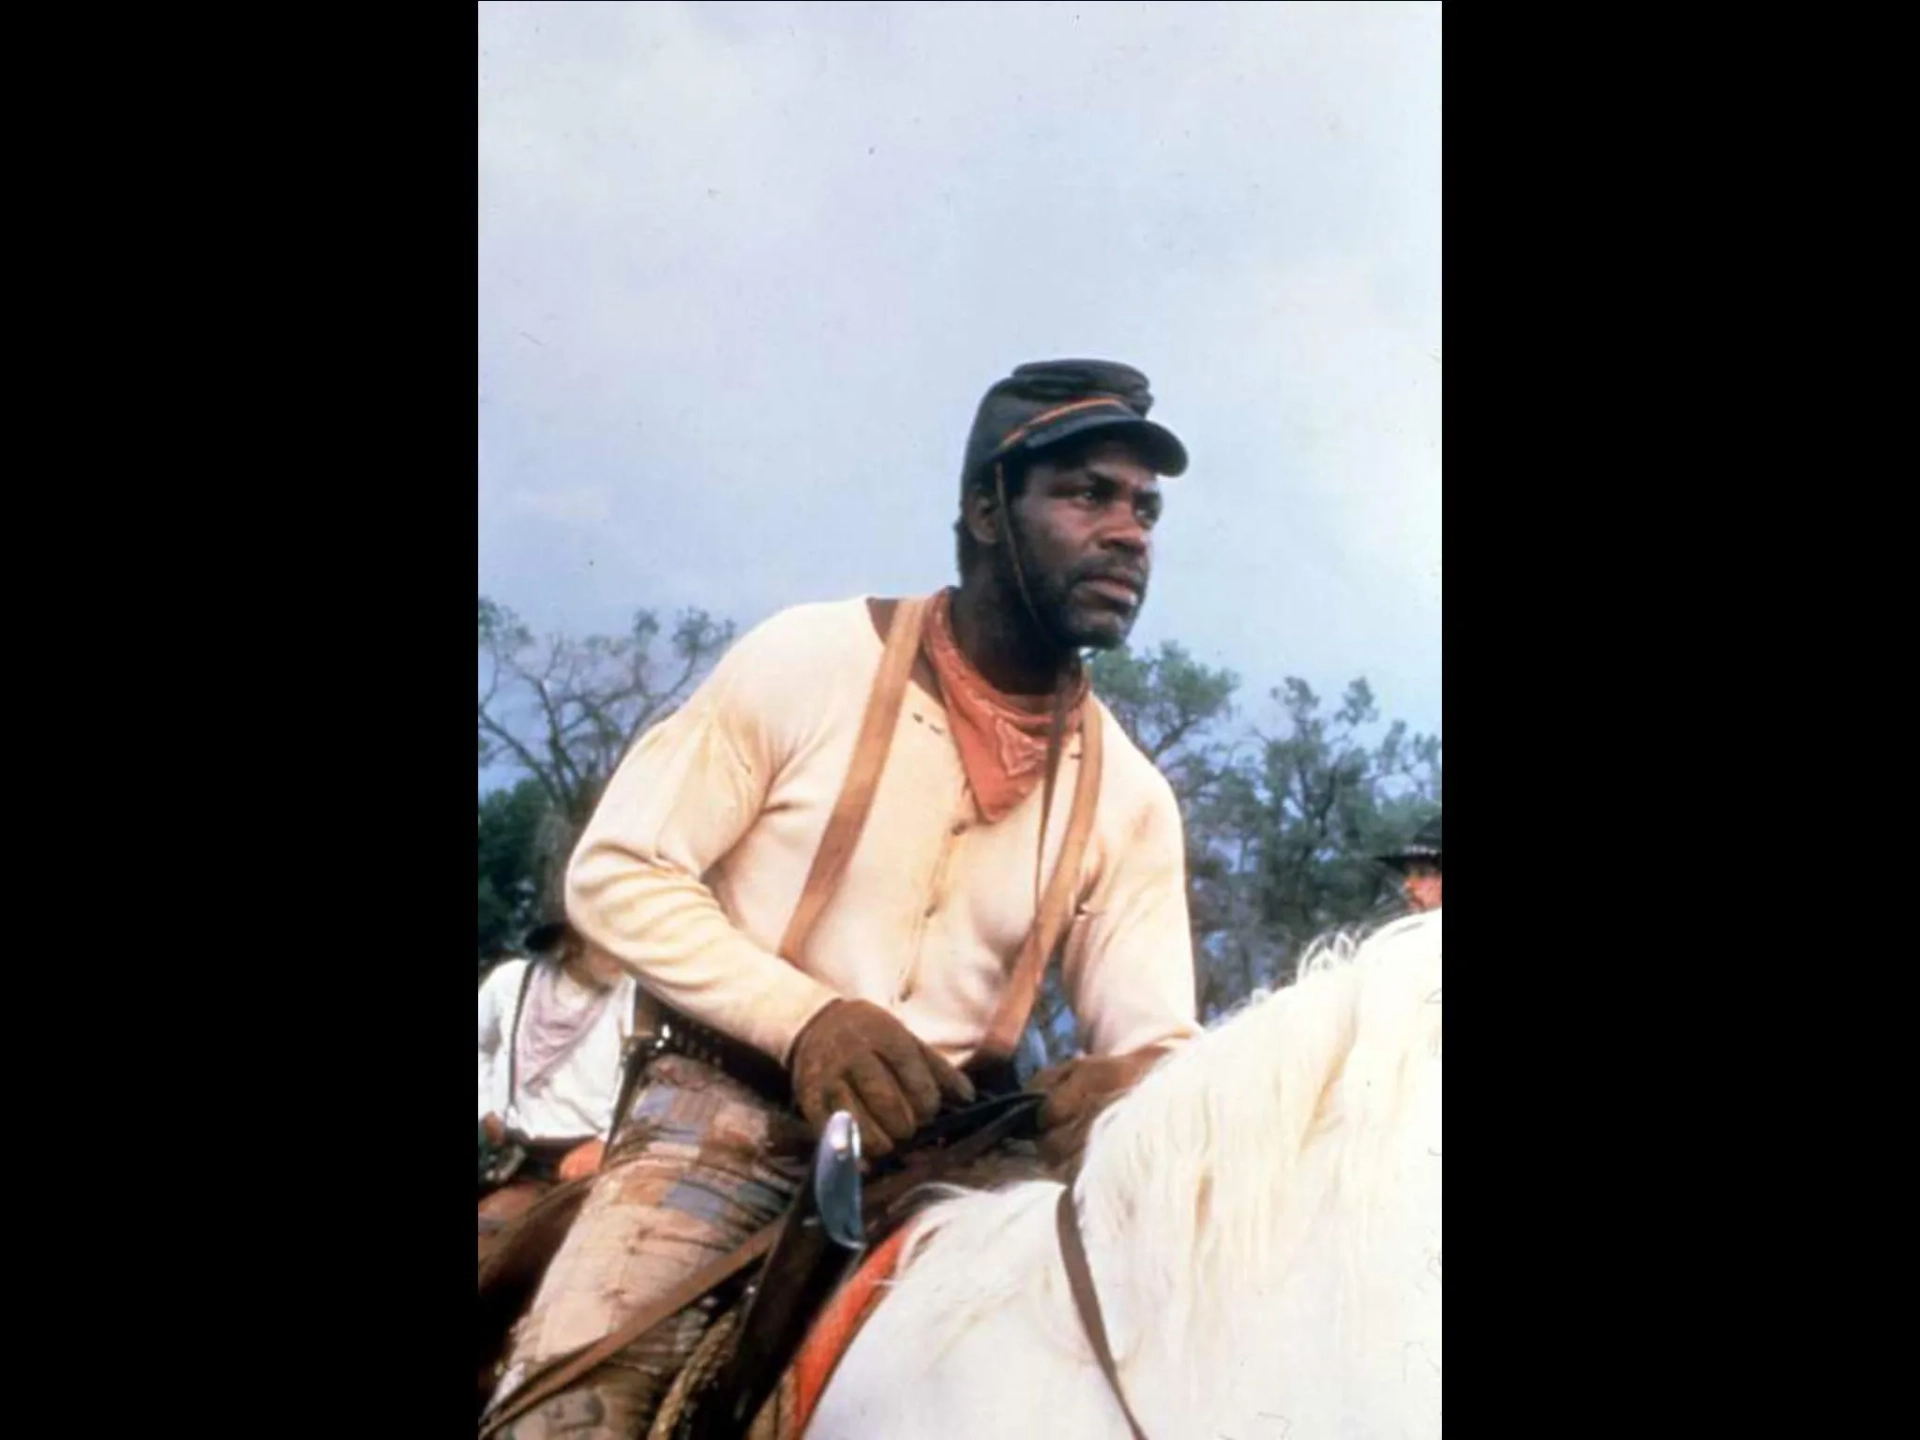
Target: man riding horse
<point>840,870</point>
<point>552,1029</point>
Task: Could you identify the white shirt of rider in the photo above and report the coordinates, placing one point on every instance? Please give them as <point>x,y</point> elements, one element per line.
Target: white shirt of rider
<point>577,1100</point>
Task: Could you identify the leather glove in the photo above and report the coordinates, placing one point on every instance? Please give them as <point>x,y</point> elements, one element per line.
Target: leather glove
<point>1076,1092</point>
<point>854,1056</point>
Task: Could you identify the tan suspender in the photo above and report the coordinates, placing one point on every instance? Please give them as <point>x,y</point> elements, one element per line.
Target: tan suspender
<point>849,817</point>
<point>863,775</point>
<point>1056,912</point>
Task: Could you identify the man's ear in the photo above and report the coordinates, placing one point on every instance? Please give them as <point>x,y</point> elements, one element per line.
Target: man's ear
<point>981,512</point>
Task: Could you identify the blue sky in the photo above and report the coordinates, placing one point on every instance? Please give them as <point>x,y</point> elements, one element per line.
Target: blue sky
<point>745,270</point>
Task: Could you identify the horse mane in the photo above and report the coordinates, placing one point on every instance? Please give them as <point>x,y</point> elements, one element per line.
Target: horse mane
<point>1206,1178</point>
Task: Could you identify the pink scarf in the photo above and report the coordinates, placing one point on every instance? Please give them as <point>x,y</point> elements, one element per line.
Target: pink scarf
<point>550,1029</point>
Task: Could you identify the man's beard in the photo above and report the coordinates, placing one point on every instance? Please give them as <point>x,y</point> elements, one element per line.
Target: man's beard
<point>1063,623</point>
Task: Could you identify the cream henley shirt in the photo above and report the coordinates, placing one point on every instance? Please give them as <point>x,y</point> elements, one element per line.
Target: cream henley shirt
<point>694,861</point>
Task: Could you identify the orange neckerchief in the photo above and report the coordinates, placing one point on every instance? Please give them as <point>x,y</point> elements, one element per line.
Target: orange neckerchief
<point>1002,738</point>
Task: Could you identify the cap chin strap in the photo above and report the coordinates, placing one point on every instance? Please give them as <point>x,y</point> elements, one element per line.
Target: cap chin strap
<point>1062,687</point>
<point>1045,630</point>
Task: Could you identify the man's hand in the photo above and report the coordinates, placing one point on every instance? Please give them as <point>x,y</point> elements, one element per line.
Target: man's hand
<point>582,1160</point>
<point>854,1056</point>
<point>1077,1092</point>
<point>495,1129</point>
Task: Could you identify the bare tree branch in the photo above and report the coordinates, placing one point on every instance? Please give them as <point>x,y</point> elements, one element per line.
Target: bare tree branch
<point>564,711</point>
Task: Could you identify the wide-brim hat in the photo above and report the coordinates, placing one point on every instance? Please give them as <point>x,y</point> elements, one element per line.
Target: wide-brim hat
<point>1044,403</point>
<point>1423,849</point>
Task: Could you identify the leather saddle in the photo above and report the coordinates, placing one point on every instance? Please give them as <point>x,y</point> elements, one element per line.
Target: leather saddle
<point>831,1223</point>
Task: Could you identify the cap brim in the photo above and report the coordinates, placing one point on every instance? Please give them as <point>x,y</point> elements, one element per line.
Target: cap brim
<point>1160,447</point>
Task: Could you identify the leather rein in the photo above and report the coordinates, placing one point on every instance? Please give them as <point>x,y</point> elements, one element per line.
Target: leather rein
<point>1086,1301</point>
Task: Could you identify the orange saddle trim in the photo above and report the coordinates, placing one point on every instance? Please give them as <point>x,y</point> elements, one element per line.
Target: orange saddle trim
<point>834,1331</point>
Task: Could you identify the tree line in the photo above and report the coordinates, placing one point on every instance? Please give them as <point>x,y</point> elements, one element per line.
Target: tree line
<point>1284,809</point>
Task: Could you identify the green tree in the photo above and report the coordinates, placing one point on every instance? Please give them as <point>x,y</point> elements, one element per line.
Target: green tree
<point>1293,828</point>
<point>1281,823</point>
<point>1174,708</point>
<point>510,824</point>
<point>562,712</point>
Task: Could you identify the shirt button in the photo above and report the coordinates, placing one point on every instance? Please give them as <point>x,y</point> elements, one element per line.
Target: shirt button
<point>959,827</point>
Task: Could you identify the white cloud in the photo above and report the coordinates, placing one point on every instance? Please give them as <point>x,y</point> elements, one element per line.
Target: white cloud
<point>745,271</point>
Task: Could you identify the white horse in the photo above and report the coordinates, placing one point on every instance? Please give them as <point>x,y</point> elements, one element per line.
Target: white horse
<point>1262,1218</point>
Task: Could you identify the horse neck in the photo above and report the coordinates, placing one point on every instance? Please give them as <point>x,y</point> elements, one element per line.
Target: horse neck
<point>1222,1253</point>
